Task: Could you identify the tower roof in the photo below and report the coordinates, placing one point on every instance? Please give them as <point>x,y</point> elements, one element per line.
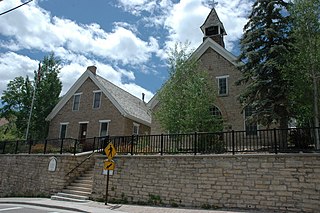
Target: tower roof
<point>212,20</point>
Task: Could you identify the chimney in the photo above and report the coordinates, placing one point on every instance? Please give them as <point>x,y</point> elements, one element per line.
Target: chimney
<point>93,69</point>
<point>143,97</point>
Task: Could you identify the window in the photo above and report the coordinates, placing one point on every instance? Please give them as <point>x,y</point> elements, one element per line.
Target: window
<point>63,130</point>
<point>96,99</point>
<point>223,85</point>
<point>136,128</point>
<point>251,127</point>
<point>215,112</point>
<point>104,127</point>
<point>213,30</point>
<point>76,102</point>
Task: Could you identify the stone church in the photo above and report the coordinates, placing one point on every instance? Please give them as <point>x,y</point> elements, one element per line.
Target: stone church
<point>222,68</point>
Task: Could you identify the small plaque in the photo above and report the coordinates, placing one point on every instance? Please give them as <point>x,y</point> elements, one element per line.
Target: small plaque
<point>52,164</point>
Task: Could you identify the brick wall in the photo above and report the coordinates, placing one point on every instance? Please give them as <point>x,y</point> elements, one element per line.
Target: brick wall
<point>28,175</point>
<point>264,182</point>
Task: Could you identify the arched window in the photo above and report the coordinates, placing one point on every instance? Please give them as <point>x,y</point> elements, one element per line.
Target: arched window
<point>216,112</point>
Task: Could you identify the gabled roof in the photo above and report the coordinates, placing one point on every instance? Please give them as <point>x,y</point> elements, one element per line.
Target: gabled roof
<point>128,105</point>
<point>208,43</point>
<point>212,20</point>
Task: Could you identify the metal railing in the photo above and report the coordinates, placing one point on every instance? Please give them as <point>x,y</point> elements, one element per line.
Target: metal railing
<point>260,141</point>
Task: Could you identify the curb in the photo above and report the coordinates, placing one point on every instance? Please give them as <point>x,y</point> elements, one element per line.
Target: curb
<point>44,205</point>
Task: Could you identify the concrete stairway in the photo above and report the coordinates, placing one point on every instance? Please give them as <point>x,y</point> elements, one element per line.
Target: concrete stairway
<point>77,191</point>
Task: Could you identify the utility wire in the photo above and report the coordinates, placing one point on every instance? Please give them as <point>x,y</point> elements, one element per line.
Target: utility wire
<point>15,8</point>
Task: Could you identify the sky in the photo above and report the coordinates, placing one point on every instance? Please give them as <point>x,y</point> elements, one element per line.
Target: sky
<point>127,40</point>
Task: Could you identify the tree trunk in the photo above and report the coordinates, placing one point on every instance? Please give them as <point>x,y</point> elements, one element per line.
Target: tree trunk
<point>283,134</point>
<point>315,109</point>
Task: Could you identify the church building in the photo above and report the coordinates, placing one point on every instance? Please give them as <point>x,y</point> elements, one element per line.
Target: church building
<point>222,68</point>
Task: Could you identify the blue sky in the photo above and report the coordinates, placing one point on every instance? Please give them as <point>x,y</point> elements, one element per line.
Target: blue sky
<point>126,39</point>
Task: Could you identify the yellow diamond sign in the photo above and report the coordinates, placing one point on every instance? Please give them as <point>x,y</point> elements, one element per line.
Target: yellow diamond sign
<point>110,151</point>
<point>109,165</point>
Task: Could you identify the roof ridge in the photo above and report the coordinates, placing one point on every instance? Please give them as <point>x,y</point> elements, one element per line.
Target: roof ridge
<point>118,87</point>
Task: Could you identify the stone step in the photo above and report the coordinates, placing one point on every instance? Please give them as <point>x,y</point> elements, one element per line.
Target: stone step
<point>81,184</point>
<point>76,192</point>
<point>88,174</point>
<point>56,197</point>
<point>82,189</point>
<point>73,196</point>
<point>90,182</point>
<point>85,178</point>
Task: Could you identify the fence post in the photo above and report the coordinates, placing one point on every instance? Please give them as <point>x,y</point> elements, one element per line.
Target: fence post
<point>16,150</point>
<point>75,147</point>
<point>132,138</point>
<point>161,144</point>
<point>4,147</point>
<point>233,144</point>
<point>45,146</point>
<point>195,142</point>
<point>275,141</point>
<point>61,146</point>
<point>94,144</point>
<point>30,145</point>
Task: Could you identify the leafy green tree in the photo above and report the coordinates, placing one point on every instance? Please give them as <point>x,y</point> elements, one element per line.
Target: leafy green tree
<point>186,98</point>
<point>17,98</point>
<point>304,64</point>
<point>263,46</point>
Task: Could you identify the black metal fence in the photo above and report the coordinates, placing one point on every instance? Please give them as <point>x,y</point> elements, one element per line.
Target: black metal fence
<point>267,141</point>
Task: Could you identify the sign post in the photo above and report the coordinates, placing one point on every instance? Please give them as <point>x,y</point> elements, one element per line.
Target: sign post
<point>109,165</point>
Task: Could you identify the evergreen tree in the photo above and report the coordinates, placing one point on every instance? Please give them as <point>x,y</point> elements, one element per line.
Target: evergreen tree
<point>263,46</point>
<point>48,90</point>
<point>186,98</point>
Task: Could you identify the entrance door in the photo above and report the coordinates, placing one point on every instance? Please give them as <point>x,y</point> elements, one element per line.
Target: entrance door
<point>83,132</point>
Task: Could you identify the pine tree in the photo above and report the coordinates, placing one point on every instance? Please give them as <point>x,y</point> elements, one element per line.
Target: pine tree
<point>48,90</point>
<point>263,46</point>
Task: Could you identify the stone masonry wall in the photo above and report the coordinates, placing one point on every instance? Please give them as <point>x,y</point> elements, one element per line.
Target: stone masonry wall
<point>28,175</point>
<point>118,125</point>
<point>288,182</point>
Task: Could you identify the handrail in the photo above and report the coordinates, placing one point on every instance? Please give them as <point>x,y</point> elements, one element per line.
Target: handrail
<point>79,164</point>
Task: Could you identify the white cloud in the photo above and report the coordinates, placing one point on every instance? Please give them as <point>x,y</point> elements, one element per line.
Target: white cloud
<point>13,65</point>
<point>187,16</point>
<point>34,28</point>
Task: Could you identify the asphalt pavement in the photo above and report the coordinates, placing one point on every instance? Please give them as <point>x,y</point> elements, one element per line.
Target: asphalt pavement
<point>41,205</point>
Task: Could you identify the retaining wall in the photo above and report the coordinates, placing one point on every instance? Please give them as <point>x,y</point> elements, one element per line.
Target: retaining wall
<point>284,182</point>
<point>28,175</point>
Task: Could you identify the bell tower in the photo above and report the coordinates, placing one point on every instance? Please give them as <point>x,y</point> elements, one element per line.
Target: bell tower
<point>213,28</point>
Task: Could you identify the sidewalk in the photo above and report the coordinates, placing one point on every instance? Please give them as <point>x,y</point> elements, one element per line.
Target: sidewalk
<point>96,207</point>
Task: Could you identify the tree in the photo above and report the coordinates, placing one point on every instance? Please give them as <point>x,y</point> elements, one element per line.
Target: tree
<point>16,100</point>
<point>47,95</point>
<point>263,46</point>
<point>186,98</point>
<point>18,97</point>
<point>305,60</point>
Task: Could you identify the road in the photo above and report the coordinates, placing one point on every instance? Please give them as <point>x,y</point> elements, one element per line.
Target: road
<point>17,208</point>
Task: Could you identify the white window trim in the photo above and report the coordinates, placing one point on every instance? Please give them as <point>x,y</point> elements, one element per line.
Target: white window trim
<point>79,101</point>
<point>64,123</point>
<point>104,121</point>
<point>94,94</point>
<point>83,122</point>
<point>135,125</point>
<point>227,84</point>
